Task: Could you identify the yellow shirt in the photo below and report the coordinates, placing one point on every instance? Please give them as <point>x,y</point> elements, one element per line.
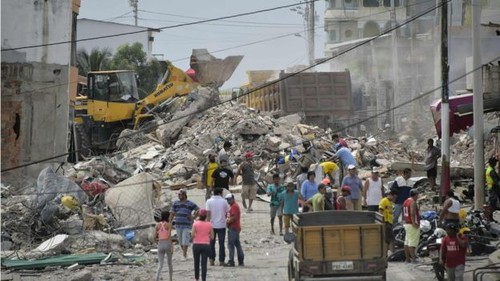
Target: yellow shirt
<point>211,168</point>
<point>329,167</point>
<point>489,178</point>
<point>386,205</point>
<point>318,202</point>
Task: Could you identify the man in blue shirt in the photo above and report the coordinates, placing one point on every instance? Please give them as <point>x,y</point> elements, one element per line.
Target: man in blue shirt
<point>183,210</point>
<point>290,198</point>
<point>354,182</point>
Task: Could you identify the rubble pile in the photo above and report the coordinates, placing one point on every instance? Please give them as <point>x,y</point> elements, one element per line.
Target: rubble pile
<point>121,192</point>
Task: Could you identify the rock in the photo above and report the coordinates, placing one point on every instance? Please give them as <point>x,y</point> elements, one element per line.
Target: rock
<point>273,143</point>
<point>84,275</point>
<point>177,170</point>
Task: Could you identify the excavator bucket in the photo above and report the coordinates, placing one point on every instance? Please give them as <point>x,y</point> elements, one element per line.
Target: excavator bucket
<point>210,70</point>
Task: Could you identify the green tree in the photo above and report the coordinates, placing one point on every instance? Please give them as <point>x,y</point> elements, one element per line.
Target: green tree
<point>97,60</point>
<point>133,57</point>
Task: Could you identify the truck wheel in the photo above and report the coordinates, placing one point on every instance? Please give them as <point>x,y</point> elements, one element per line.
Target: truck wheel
<point>290,270</point>
<point>82,141</point>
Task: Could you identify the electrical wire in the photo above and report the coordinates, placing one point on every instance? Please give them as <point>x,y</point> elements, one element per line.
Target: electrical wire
<point>161,28</point>
<point>279,80</point>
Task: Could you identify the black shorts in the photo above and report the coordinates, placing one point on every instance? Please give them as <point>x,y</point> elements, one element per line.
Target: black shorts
<point>432,173</point>
<point>389,235</point>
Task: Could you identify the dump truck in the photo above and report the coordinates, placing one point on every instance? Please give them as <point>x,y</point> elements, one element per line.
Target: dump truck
<point>338,245</point>
<point>323,98</point>
<point>113,103</point>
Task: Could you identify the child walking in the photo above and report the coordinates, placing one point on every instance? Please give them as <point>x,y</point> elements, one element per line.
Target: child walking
<point>164,239</point>
<point>453,251</point>
<point>202,234</point>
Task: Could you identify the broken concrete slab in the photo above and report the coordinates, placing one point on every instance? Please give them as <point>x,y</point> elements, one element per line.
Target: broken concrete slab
<point>131,202</point>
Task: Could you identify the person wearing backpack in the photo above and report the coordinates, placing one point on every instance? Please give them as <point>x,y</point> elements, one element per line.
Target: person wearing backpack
<point>164,239</point>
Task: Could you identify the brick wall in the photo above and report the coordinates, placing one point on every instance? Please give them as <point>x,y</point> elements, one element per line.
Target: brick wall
<point>12,137</point>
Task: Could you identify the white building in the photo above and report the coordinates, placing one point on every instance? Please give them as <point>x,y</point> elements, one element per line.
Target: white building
<point>88,28</point>
<point>38,75</point>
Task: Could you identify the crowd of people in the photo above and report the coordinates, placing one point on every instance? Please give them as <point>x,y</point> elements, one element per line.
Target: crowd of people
<point>332,184</point>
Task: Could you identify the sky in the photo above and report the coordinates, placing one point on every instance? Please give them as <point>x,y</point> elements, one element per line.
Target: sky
<point>290,48</point>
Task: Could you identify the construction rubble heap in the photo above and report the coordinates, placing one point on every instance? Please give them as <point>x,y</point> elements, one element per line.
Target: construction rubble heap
<point>124,190</point>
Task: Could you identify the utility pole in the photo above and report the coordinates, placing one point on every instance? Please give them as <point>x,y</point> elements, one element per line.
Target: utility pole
<point>310,19</point>
<point>394,44</point>
<point>478,113</point>
<point>134,5</point>
<point>445,106</point>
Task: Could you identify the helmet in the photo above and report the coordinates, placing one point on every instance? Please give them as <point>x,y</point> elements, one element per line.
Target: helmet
<point>425,226</point>
<point>439,232</point>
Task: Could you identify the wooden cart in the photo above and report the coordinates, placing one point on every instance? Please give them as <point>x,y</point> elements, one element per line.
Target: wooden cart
<point>338,245</point>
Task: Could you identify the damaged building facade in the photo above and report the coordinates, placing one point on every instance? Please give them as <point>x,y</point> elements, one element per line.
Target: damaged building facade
<point>37,79</point>
<point>387,71</point>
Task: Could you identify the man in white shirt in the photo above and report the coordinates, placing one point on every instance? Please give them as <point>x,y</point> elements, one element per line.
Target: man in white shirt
<point>217,208</point>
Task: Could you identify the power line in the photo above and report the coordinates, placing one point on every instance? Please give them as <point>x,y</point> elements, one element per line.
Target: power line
<point>162,28</point>
<point>275,82</point>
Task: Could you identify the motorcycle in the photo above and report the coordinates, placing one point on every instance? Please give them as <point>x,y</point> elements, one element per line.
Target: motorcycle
<point>434,253</point>
<point>428,223</point>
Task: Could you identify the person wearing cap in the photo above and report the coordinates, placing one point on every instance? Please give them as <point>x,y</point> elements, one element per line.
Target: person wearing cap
<point>207,178</point>
<point>249,188</point>
<point>203,233</point>
<point>346,158</point>
<point>386,207</point>
<point>222,177</point>
<point>317,202</point>
<point>233,231</point>
<point>453,250</point>
<point>354,182</point>
<point>224,152</point>
<point>411,217</point>
<point>290,198</point>
<point>217,208</point>
<point>344,200</point>
<point>373,191</point>
<point>330,170</point>
<point>182,210</point>
<point>276,208</point>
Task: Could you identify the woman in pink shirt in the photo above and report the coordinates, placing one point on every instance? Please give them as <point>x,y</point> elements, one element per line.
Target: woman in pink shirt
<point>202,233</point>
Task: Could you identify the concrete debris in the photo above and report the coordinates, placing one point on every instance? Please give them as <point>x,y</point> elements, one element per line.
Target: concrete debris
<point>119,194</point>
<point>84,275</point>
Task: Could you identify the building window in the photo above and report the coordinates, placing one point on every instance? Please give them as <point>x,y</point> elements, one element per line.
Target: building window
<point>330,4</point>
<point>370,3</point>
<point>348,33</point>
<point>387,3</point>
<point>332,36</point>
<point>350,4</point>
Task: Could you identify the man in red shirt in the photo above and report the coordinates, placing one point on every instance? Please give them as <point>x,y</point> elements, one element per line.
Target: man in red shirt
<point>453,250</point>
<point>411,219</point>
<point>233,231</point>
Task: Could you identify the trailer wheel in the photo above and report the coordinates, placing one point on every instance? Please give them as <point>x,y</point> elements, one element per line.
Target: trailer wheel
<point>291,270</point>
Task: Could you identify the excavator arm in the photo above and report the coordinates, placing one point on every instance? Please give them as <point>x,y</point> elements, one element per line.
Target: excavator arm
<point>175,83</point>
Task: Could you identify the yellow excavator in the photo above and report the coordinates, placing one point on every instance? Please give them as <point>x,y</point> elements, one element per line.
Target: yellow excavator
<point>112,102</point>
